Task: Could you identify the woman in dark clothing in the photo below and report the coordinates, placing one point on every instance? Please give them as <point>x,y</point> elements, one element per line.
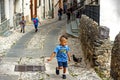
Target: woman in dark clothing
<point>68,15</point>
<point>60,13</point>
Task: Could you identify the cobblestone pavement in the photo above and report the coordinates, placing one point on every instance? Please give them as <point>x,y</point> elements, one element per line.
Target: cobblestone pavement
<point>34,48</point>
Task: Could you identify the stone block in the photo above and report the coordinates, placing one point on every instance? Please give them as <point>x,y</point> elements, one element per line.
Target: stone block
<point>115,59</point>
<point>103,32</point>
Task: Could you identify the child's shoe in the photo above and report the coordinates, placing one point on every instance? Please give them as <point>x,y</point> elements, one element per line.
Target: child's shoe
<point>57,71</point>
<point>21,30</point>
<point>64,76</point>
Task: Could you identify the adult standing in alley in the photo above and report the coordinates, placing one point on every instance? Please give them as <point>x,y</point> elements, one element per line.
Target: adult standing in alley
<point>68,15</point>
<point>64,7</point>
<point>36,22</point>
<point>60,10</point>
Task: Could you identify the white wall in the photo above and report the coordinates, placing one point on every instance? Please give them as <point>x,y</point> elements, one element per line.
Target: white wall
<point>110,16</point>
<point>26,7</point>
<point>26,10</point>
<point>11,12</point>
<point>7,9</point>
<point>56,8</point>
<point>78,1</point>
<point>18,6</point>
<point>0,13</point>
<point>47,8</point>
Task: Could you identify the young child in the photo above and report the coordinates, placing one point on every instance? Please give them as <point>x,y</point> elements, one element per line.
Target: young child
<point>35,22</point>
<point>22,24</point>
<point>62,54</point>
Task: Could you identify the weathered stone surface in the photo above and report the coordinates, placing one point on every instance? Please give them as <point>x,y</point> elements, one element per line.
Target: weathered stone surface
<point>103,32</point>
<point>96,45</point>
<point>88,31</point>
<point>115,59</point>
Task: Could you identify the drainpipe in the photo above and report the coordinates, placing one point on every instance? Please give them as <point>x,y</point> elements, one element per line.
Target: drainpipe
<point>0,12</point>
<point>31,8</point>
<point>44,9</point>
<point>35,7</point>
<point>23,7</point>
<point>49,5</point>
<point>52,8</point>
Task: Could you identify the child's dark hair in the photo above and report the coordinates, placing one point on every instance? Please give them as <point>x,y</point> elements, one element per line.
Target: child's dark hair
<point>22,16</point>
<point>63,36</point>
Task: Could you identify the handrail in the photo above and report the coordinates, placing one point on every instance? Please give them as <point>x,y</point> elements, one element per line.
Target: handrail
<point>81,6</point>
<point>81,2</point>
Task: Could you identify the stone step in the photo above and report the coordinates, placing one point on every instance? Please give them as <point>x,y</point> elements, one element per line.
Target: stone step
<point>78,22</point>
<point>74,27</point>
<point>69,31</point>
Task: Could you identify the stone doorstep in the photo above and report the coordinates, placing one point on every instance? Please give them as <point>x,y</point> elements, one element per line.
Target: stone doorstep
<point>78,21</point>
<point>74,27</point>
<point>75,30</point>
<point>69,31</point>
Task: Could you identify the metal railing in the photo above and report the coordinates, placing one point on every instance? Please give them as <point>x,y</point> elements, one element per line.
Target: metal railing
<point>4,26</point>
<point>93,11</point>
<point>77,5</point>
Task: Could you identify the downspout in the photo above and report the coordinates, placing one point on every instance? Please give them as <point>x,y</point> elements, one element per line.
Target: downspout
<point>52,8</point>
<point>31,8</point>
<point>0,12</point>
<point>23,7</point>
<point>44,9</point>
<point>35,7</point>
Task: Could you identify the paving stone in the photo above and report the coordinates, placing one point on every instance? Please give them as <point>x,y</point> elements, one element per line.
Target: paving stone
<point>8,77</point>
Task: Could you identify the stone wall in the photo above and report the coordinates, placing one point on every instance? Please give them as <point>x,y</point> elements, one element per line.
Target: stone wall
<point>115,59</point>
<point>95,45</point>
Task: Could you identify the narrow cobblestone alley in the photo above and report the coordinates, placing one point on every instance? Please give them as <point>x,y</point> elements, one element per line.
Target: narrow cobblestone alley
<point>59,40</point>
<point>37,44</point>
<point>34,48</point>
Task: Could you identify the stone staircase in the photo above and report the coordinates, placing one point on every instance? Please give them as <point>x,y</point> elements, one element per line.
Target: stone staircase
<point>72,28</point>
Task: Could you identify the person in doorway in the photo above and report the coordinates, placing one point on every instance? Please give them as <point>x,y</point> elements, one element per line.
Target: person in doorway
<point>36,22</point>
<point>60,13</point>
<point>64,7</point>
<point>62,54</point>
<point>22,24</point>
<point>68,15</point>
